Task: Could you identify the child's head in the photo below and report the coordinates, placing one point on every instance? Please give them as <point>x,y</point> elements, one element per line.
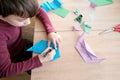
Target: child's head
<point>19,10</point>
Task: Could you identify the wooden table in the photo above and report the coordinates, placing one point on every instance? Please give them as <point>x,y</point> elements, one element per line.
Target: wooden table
<point>70,66</point>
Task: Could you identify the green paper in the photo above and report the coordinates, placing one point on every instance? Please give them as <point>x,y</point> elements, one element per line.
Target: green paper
<point>79,18</point>
<point>85,27</point>
<point>76,11</point>
<point>101,2</point>
<point>61,12</point>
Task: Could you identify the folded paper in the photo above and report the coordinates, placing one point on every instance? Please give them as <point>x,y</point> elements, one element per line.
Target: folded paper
<point>86,28</point>
<point>40,46</point>
<point>85,51</point>
<point>47,6</point>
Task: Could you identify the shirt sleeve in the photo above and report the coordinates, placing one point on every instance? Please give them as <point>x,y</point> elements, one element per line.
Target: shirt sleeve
<point>43,17</point>
<point>7,68</point>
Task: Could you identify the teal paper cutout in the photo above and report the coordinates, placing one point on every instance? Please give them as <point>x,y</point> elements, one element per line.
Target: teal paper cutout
<point>40,46</point>
<point>91,16</point>
<point>79,18</point>
<point>77,11</point>
<point>61,12</point>
<point>101,2</point>
<point>85,27</point>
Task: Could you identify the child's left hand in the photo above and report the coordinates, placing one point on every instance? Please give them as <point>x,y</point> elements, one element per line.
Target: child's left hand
<point>55,38</point>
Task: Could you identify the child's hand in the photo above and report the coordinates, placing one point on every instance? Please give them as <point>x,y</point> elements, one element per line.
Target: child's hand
<point>55,38</point>
<point>47,55</point>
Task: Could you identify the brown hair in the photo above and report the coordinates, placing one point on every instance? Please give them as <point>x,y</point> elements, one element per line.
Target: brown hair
<point>22,8</point>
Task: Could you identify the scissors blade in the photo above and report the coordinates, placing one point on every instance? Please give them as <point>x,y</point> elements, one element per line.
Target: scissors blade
<point>106,31</point>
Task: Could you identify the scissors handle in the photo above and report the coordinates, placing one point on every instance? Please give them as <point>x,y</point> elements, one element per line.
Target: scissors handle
<point>117,28</point>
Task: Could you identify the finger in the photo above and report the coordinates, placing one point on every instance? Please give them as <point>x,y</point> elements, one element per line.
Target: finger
<point>49,43</point>
<point>59,39</point>
<point>54,42</point>
<point>59,42</point>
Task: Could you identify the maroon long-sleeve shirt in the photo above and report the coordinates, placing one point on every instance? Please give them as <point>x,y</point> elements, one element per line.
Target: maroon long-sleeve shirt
<point>11,45</point>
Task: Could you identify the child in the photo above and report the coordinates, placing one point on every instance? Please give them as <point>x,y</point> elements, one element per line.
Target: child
<point>13,15</point>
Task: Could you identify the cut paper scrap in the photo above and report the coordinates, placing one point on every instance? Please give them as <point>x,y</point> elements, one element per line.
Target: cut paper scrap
<point>76,28</point>
<point>40,46</point>
<point>91,15</point>
<point>85,51</point>
<point>92,5</point>
<point>61,12</point>
<point>86,28</point>
<point>79,18</point>
<point>47,6</point>
<point>76,11</point>
<point>101,2</point>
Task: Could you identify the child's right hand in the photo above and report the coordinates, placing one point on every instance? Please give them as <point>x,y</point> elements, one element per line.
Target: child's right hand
<point>48,57</point>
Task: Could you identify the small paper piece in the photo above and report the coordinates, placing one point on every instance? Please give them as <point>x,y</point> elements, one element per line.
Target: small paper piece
<point>84,50</point>
<point>61,12</point>
<point>40,46</point>
<point>85,27</point>
<point>91,16</point>
<point>47,6</point>
<point>76,11</point>
<point>79,18</point>
<point>76,28</point>
<point>101,2</point>
<point>92,5</point>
